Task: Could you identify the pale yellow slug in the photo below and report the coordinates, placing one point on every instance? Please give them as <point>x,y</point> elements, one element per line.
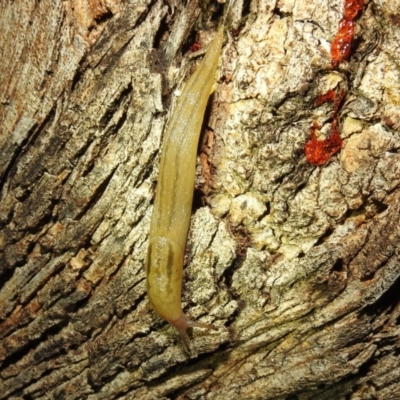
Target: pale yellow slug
<point>174,194</point>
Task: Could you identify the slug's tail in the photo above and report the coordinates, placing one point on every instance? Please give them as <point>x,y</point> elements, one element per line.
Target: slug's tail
<point>183,323</point>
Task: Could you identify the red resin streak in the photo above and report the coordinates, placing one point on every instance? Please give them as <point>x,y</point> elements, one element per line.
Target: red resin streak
<point>318,152</point>
<point>340,47</point>
<point>330,95</point>
<point>352,8</point>
<point>341,44</point>
<point>333,97</point>
<point>195,47</point>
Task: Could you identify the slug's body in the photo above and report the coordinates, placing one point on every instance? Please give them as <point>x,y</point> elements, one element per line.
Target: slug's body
<point>174,194</point>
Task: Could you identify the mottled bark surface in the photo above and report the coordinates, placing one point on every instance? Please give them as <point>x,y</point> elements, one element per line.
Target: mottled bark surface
<point>297,265</point>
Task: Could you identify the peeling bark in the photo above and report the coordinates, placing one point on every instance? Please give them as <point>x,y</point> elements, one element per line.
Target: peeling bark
<point>297,265</point>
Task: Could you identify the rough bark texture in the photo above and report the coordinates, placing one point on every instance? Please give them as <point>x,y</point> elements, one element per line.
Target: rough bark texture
<point>298,265</point>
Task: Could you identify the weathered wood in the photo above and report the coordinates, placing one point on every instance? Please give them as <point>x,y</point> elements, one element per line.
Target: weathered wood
<point>298,265</point>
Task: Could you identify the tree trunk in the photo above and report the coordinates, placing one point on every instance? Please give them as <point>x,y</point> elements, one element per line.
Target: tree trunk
<point>296,263</point>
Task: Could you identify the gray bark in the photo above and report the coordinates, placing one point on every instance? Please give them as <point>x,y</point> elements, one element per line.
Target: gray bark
<point>297,265</point>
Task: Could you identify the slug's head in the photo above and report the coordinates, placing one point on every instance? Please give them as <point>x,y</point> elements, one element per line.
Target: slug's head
<point>183,323</point>
<point>164,277</point>
<point>164,281</point>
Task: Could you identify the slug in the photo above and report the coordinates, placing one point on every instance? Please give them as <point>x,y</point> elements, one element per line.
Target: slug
<point>174,194</point>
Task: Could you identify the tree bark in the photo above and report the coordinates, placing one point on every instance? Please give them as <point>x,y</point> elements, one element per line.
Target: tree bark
<point>297,264</point>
